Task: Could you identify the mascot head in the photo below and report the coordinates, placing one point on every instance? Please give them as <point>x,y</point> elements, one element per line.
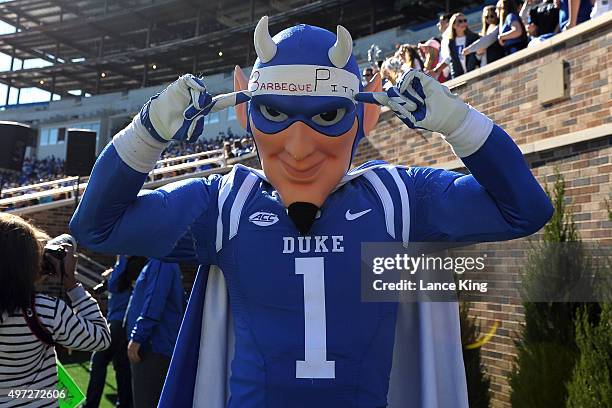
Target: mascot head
<point>302,114</point>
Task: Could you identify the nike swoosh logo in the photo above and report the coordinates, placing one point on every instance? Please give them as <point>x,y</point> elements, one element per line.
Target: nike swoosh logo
<point>351,217</point>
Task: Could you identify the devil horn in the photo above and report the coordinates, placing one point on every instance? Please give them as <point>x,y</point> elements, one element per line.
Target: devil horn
<point>264,46</point>
<point>341,51</point>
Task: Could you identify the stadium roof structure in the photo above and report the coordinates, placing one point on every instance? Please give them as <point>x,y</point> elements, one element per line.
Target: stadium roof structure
<point>99,46</point>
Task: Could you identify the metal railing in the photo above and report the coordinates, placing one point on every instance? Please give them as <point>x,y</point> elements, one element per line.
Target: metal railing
<point>150,184</point>
<point>50,193</point>
<point>70,181</point>
<point>89,271</point>
<point>188,157</point>
<point>220,161</point>
<point>52,184</point>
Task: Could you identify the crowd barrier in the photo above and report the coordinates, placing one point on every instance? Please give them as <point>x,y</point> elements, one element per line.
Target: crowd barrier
<point>66,188</point>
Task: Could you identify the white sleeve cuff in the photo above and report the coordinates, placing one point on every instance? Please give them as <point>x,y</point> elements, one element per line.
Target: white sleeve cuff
<point>471,134</point>
<point>137,148</point>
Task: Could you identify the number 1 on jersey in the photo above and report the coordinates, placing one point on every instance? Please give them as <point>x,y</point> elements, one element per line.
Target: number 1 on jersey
<point>315,364</point>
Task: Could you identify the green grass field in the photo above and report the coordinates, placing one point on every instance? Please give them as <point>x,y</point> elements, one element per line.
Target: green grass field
<point>77,365</point>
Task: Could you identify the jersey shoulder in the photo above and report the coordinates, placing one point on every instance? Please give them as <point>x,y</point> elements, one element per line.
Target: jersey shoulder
<point>235,189</point>
<point>388,186</point>
<point>374,169</point>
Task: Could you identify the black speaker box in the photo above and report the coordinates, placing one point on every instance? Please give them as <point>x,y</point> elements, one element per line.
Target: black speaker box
<point>14,138</point>
<point>80,152</point>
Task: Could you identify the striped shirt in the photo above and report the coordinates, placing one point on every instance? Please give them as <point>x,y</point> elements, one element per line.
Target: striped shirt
<point>28,364</point>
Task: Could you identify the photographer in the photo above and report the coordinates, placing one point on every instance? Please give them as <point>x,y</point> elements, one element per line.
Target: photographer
<point>31,324</point>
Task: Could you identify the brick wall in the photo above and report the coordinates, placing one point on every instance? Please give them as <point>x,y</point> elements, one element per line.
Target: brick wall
<point>586,170</point>
<point>507,92</point>
<point>508,95</point>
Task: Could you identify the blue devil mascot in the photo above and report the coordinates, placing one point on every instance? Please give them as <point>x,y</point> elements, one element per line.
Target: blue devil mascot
<point>275,318</point>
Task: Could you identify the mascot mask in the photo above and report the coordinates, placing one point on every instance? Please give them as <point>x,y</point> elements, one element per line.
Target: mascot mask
<point>302,114</point>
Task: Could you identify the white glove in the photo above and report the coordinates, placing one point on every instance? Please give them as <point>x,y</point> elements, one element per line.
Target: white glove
<point>177,113</point>
<point>421,102</point>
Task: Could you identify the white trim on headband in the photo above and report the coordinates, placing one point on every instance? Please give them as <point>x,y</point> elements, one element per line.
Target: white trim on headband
<point>303,80</point>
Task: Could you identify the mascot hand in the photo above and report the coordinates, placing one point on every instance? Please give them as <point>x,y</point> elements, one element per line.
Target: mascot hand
<point>421,102</point>
<point>177,113</point>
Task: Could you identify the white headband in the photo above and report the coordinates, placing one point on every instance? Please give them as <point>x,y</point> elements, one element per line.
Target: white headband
<point>303,80</point>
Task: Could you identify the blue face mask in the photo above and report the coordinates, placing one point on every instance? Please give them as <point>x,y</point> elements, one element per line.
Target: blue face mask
<point>330,116</point>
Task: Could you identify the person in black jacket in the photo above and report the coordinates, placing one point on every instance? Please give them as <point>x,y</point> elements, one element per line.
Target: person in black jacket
<point>487,49</point>
<point>455,39</point>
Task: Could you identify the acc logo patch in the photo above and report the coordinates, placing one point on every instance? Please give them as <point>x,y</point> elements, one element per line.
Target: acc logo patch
<point>263,219</point>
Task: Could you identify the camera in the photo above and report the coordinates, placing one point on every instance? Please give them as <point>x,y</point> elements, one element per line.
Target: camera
<point>54,250</point>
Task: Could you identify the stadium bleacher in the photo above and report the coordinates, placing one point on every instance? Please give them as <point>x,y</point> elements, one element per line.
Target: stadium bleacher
<point>169,169</point>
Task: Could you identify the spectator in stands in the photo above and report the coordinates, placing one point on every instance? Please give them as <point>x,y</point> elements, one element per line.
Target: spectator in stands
<point>455,39</point>
<point>487,48</point>
<point>574,12</point>
<point>237,148</point>
<point>119,286</point>
<point>409,55</point>
<point>247,145</point>
<point>391,71</point>
<point>430,49</point>
<point>600,7</point>
<point>35,171</point>
<point>153,319</point>
<point>176,149</point>
<point>368,74</point>
<point>512,34</point>
<point>542,20</point>
<point>227,151</point>
<point>431,53</point>
<point>375,58</point>
<point>32,324</point>
<point>443,20</point>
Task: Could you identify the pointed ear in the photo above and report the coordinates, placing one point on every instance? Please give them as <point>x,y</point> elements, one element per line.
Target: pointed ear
<point>241,83</point>
<point>371,111</point>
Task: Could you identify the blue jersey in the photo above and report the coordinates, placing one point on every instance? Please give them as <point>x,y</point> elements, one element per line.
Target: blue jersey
<point>507,26</point>
<point>303,337</point>
<point>302,332</point>
<point>156,307</point>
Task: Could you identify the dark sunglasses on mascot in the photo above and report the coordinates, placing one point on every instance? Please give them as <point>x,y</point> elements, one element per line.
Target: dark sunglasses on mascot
<point>330,116</point>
